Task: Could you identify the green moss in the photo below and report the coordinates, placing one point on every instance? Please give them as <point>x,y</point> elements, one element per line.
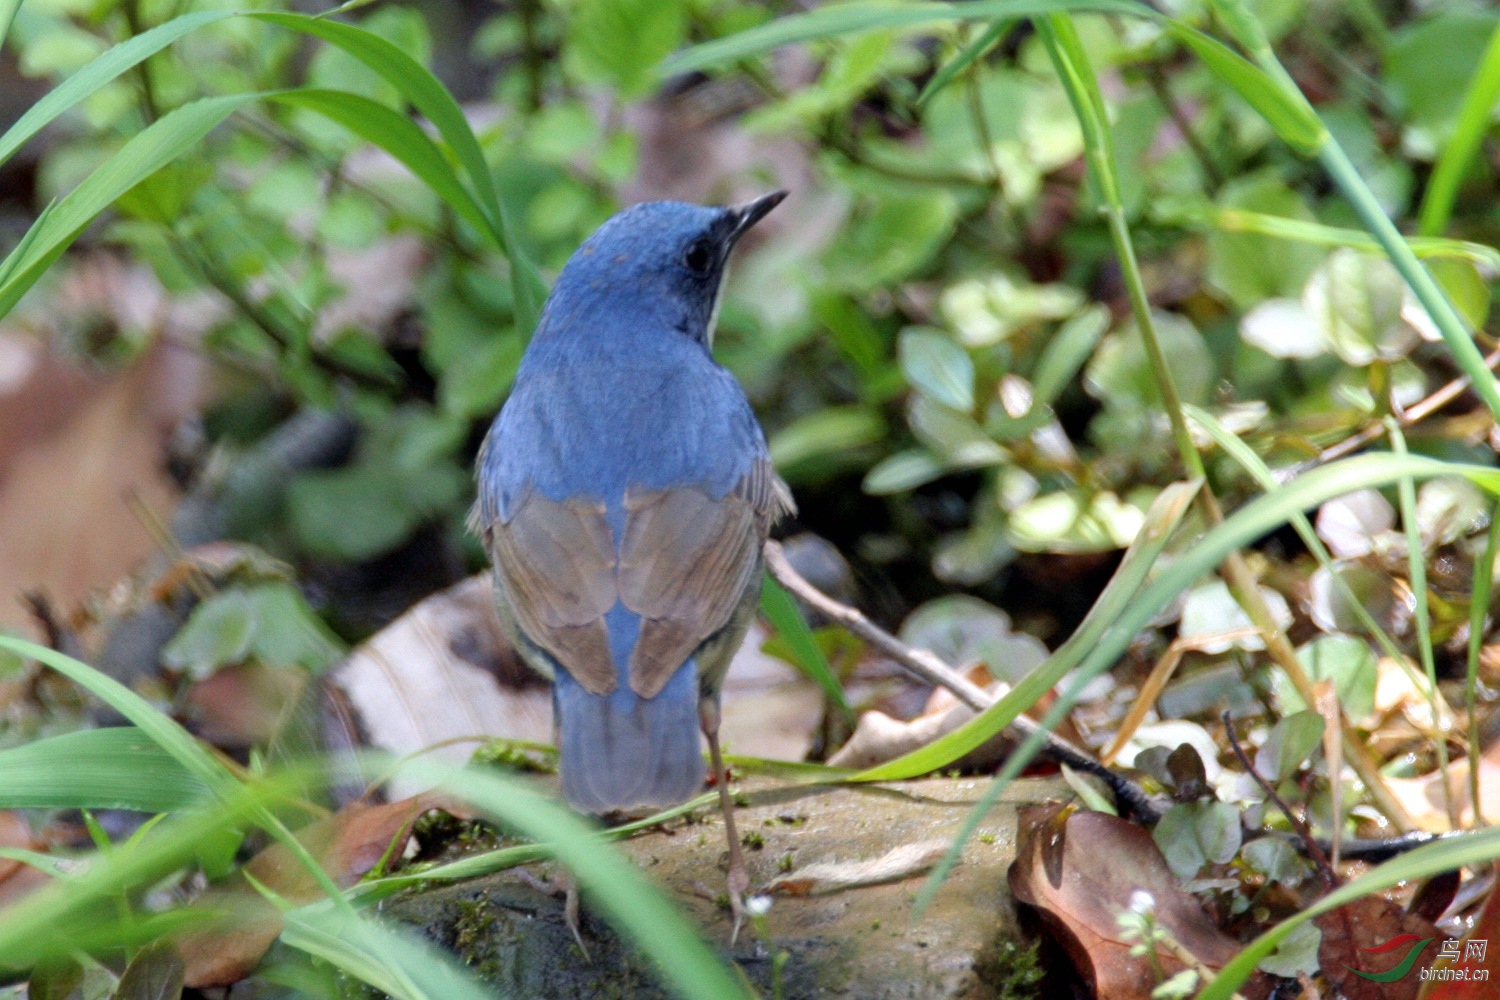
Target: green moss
<point>1015,971</point>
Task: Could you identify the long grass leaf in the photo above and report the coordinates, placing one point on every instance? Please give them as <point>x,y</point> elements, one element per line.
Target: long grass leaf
<point>394,961</point>
<point>781,611</point>
<point>1252,521</point>
<point>1165,514</point>
<point>417,85</point>
<point>1458,152</point>
<point>835,20</point>
<point>118,768</point>
<point>1236,220</point>
<point>965,58</point>
<point>193,757</point>
<point>147,152</point>
<point>398,136</point>
<point>616,888</point>
<point>118,59</point>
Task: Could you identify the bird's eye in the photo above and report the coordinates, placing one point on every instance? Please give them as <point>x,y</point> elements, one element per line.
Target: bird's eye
<point>699,257</point>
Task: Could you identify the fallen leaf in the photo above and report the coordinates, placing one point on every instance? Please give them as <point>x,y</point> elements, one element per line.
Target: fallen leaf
<point>17,879</point>
<point>240,923</point>
<point>65,527</point>
<point>835,876</point>
<point>1081,870</point>
<point>1473,952</point>
<point>878,738</point>
<point>1375,936</point>
<point>155,973</point>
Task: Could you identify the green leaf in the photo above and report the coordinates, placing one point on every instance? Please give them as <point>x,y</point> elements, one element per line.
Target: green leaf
<point>1358,300</point>
<point>902,471</point>
<point>1066,352</point>
<point>1250,267</point>
<point>116,768</point>
<point>1428,67</point>
<point>399,963</point>
<point>621,41</point>
<point>934,364</point>
<point>826,433</point>
<point>120,58</point>
<point>147,152</point>
<point>1468,132</point>
<point>1290,743</point>
<point>786,619</point>
<point>1288,113</point>
<point>268,622</point>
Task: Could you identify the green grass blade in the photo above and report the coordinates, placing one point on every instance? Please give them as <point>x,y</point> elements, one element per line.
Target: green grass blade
<point>1251,522</point>
<point>147,152</point>
<point>1235,220</point>
<point>1266,480</point>
<point>1416,575</point>
<point>1479,606</point>
<point>1473,124</point>
<point>785,618</point>
<point>1476,850</point>
<point>397,962</point>
<point>1292,118</point>
<point>613,886</point>
<point>53,920</point>
<point>172,738</point>
<point>1460,343</point>
<point>1165,514</point>
<point>99,72</point>
<point>396,134</point>
<point>8,10</point>
<point>836,20</point>
<point>417,85</point>
<point>116,768</point>
<point>965,58</point>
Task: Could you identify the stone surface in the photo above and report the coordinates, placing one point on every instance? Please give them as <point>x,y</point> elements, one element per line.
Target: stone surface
<point>857,942</point>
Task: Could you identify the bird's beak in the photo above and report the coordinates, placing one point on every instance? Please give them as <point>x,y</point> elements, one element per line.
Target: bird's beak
<point>751,212</point>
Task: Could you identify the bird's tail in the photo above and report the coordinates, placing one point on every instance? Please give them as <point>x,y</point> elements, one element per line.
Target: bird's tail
<point>622,751</point>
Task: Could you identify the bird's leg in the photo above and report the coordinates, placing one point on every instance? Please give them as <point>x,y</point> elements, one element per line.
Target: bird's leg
<point>739,875</point>
<point>562,882</point>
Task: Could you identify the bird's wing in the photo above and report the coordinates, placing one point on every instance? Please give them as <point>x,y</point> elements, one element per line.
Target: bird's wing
<point>685,563</point>
<point>556,561</point>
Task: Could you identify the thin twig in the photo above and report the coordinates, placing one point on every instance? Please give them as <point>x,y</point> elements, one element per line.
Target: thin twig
<point>1310,843</point>
<point>1412,415</point>
<point>931,668</point>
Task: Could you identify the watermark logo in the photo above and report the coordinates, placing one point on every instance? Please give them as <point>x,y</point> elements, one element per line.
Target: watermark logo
<point>1457,959</point>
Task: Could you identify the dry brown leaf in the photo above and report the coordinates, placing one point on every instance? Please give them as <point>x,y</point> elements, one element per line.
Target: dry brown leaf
<point>241,924</point>
<point>1473,952</point>
<point>1081,870</point>
<point>17,880</point>
<point>1424,799</point>
<point>1351,935</point>
<point>73,447</point>
<point>835,876</point>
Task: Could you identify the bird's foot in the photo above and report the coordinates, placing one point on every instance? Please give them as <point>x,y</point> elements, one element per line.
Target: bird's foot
<point>738,885</point>
<point>562,884</point>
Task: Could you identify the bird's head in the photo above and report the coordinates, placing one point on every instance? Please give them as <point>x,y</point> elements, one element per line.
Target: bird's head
<point>661,262</point>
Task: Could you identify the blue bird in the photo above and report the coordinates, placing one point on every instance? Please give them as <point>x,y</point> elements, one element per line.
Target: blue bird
<point>624,494</point>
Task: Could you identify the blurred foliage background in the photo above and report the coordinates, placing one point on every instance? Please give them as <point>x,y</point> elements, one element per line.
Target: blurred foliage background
<point>292,338</point>
<point>933,329</point>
